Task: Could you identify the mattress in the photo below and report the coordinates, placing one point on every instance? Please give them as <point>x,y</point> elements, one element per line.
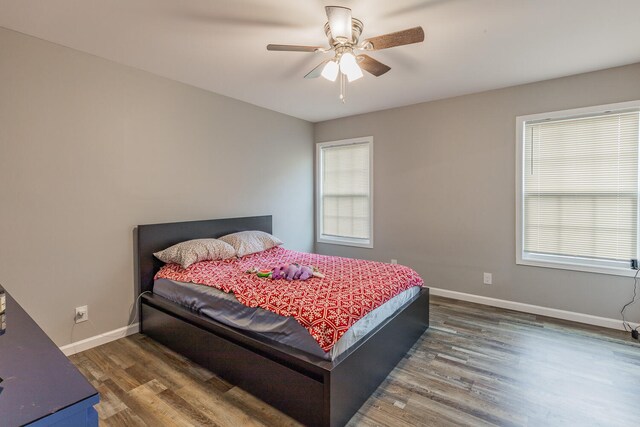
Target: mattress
<point>225,308</point>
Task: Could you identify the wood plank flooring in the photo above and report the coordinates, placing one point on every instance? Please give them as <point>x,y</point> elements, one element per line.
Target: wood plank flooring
<point>475,366</point>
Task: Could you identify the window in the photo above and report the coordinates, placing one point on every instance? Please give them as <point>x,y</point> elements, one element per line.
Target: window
<point>577,188</point>
<point>344,196</point>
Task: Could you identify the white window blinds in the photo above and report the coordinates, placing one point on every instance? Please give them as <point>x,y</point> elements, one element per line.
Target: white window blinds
<point>345,192</point>
<point>580,187</point>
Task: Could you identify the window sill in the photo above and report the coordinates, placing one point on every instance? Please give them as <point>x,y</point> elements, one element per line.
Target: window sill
<point>359,243</point>
<point>576,266</point>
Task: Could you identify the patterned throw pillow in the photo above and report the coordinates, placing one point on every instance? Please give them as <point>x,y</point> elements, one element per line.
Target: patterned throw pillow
<point>250,242</point>
<point>192,251</point>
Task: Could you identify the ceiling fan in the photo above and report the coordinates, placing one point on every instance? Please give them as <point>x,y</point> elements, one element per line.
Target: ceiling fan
<point>343,33</point>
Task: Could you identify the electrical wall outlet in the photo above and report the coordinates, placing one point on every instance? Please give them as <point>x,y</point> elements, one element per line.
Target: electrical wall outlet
<point>82,314</point>
<point>488,278</point>
<point>394,261</point>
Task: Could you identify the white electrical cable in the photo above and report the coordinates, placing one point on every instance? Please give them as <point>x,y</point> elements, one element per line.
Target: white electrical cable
<point>135,307</point>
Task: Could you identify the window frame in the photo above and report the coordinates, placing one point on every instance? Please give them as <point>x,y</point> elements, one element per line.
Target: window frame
<point>575,263</point>
<point>336,240</point>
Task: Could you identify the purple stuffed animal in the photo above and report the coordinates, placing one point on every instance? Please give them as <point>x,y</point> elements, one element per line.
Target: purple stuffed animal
<point>305,272</point>
<point>292,272</point>
<point>279,272</point>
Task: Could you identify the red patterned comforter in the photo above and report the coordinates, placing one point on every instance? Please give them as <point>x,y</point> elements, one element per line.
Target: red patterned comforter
<point>326,307</point>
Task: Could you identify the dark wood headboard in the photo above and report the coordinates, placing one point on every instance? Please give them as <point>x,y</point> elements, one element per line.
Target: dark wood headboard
<point>156,237</point>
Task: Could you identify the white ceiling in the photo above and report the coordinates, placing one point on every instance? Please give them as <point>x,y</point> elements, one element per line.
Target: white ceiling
<point>219,45</point>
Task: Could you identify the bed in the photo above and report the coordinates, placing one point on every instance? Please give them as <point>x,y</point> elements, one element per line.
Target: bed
<point>307,387</point>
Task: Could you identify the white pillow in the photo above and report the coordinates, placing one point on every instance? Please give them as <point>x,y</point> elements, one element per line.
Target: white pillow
<point>192,251</point>
<point>251,242</point>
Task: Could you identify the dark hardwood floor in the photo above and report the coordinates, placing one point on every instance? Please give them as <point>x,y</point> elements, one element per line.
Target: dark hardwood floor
<point>475,366</point>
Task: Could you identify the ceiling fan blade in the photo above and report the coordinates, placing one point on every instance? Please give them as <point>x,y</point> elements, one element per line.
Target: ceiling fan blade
<point>292,48</point>
<point>372,66</point>
<point>339,22</point>
<point>399,38</point>
<point>316,72</point>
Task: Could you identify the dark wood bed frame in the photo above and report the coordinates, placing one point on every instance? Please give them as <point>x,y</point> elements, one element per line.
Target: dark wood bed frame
<point>314,391</point>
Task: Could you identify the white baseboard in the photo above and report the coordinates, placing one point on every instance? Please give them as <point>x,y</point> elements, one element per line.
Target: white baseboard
<point>533,309</point>
<point>86,344</point>
<point>589,319</point>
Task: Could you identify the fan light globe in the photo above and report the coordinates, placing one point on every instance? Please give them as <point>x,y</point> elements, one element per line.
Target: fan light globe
<point>349,66</point>
<point>348,63</point>
<point>339,22</point>
<point>330,71</point>
<point>355,74</point>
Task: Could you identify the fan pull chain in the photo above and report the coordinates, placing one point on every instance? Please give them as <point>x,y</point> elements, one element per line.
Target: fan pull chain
<point>343,88</point>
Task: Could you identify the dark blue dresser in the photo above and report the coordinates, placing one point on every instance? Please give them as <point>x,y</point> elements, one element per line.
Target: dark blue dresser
<point>40,386</point>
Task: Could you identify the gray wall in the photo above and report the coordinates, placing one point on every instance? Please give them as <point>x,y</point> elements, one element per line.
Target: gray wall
<point>90,148</point>
<point>444,188</point>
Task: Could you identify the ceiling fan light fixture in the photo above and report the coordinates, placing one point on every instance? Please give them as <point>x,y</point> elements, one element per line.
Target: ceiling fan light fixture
<point>343,34</point>
<point>339,22</point>
<point>354,74</point>
<point>330,71</point>
<point>349,65</point>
